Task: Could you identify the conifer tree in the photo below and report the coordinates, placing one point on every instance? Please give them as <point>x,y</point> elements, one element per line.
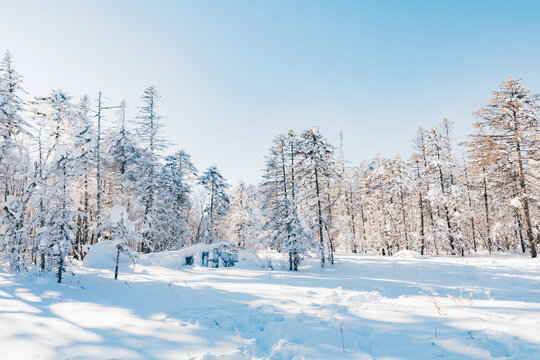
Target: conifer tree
<point>54,220</point>
<point>218,202</point>
<point>83,156</point>
<point>280,191</point>
<point>15,182</point>
<point>148,131</point>
<point>317,170</point>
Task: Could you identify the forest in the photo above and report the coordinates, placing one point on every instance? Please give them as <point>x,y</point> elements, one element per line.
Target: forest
<point>63,168</point>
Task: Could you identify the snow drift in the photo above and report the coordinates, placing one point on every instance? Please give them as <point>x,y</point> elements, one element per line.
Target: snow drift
<point>209,255</point>
<point>103,256</point>
<point>407,254</point>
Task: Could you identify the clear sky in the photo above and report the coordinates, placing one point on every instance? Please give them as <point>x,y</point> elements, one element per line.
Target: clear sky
<point>233,74</point>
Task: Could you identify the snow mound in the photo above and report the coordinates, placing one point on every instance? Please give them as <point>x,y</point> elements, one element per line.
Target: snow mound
<point>103,256</point>
<point>249,257</point>
<point>177,258</point>
<point>407,254</point>
<point>216,253</point>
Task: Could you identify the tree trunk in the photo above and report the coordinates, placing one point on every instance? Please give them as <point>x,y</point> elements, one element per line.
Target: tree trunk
<point>60,269</point>
<point>470,207</point>
<point>98,171</point>
<point>486,207</point>
<point>422,235</point>
<point>319,212</point>
<point>526,212</point>
<point>116,267</point>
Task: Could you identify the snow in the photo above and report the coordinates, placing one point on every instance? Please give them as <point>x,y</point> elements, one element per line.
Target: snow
<point>119,215</point>
<point>248,257</point>
<point>103,256</point>
<point>407,254</point>
<point>516,202</point>
<point>401,307</point>
<point>177,259</point>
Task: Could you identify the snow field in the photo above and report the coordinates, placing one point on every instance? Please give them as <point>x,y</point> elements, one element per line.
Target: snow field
<point>401,307</point>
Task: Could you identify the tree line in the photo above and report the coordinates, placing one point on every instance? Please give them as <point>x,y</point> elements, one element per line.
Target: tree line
<point>62,171</point>
<point>447,198</point>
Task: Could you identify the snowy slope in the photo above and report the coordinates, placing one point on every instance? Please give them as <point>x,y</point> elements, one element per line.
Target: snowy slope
<point>389,308</point>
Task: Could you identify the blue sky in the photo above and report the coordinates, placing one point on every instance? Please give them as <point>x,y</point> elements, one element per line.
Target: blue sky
<point>233,74</point>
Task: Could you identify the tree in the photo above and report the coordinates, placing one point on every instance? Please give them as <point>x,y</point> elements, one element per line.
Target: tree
<point>176,195</point>
<point>148,166</point>
<point>280,191</point>
<point>241,215</point>
<point>442,195</point>
<point>347,204</point>
<point>14,164</point>
<point>317,170</point>
<point>84,155</point>
<point>54,221</point>
<point>507,130</point>
<point>11,105</point>
<point>423,179</point>
<point>218,201</point>
<point>99,116</point>
<point>123,157</point>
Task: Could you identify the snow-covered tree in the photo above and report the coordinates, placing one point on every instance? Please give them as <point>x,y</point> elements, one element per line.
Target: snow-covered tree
<point>280,190</point>
<point>507,130</point>
<point>176,191</point>
<point>54,220</point>
<point>243,217</point>
<point>218,202</point>
<point>15,181</point>
<point>84,166</point>
<point>317,167</point>
<point>11,104</point>
<point>152,225</point>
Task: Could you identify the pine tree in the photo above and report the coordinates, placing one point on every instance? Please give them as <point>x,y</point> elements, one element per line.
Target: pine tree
<point>240,215</point>
<point>83,156</point>
<point>54,221</point>
<point>218,202</point>
<point>11,104</point>
<point>123,156</point>
<point>15,183</point>
<point>176,191</point>
<point>317,170</point>
<point>152,226</point>
<point>280,191</point>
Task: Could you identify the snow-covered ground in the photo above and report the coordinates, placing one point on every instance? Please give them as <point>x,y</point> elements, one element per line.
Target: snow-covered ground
<point>404,307</point>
